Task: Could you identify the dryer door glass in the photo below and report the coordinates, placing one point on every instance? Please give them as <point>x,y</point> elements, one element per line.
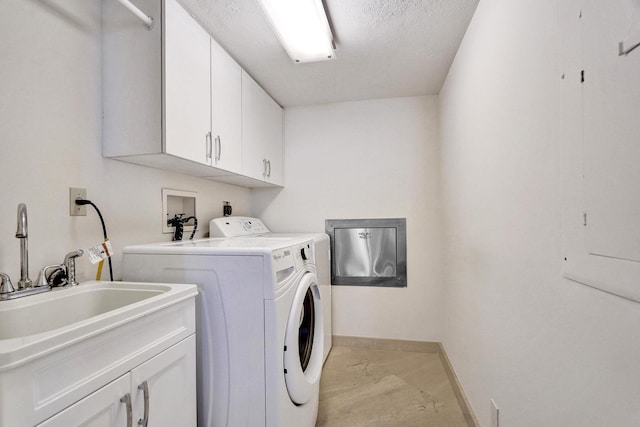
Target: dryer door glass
<point>306,330</point>
<point>303,342</point>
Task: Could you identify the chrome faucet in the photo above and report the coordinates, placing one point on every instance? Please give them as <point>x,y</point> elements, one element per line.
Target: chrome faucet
<point>63,274</point>
<point>22,234</point>
<point>25,286</point>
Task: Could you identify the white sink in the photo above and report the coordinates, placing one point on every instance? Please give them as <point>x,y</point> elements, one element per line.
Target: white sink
<point>34,324</point>
<point>64,347</point>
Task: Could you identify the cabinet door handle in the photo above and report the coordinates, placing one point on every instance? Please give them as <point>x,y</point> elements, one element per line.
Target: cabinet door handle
<point>264,168</point>
<point>269,165</point>
<point>218,148</point>
<point>145,388</point>
<point>208,145</point>
<point>126,399</point>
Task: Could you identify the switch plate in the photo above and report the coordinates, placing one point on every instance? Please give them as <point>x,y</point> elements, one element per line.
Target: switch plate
<point>77,193</point>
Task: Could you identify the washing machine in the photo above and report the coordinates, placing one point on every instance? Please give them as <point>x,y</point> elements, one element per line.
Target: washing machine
<point>260,325</point>
<point>248,227</point>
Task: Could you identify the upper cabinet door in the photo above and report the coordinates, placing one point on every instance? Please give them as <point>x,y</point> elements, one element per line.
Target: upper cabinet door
<point>187,87</point>
<point>226,110</point>
<point>274,136</point>
<point>261,133</point>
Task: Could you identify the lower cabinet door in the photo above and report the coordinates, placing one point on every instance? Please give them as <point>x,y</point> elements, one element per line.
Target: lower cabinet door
<point>106,407</point>
<point>164,388</point>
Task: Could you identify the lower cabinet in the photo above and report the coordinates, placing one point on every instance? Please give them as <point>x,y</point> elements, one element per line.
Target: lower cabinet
<point>164,388</point>
<point>159,392</point>
<point>101,408</point>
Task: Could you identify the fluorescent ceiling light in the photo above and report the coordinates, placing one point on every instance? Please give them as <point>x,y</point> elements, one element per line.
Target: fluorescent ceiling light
<point>302,27</point>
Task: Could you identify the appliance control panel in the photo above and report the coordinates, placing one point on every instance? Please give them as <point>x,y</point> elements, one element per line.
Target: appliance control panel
<point>234,226</point>
<point>304,254</point>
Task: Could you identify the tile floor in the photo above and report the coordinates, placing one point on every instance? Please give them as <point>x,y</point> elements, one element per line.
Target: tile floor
<point>371,387</point>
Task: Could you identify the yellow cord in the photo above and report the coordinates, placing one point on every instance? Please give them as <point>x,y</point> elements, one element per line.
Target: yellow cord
<point>99,272</point>
<point>100,264</point>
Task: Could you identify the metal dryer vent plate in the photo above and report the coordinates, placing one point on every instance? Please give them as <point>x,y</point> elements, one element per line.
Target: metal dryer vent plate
<point>368,252</point>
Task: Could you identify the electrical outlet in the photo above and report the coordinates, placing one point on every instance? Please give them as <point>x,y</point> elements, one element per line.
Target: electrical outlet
<point>77,193</point>
<point>495,414</point>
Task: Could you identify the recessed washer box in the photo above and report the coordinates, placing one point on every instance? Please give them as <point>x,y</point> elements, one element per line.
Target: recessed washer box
<point>178,202</point>
<point>368,252</point>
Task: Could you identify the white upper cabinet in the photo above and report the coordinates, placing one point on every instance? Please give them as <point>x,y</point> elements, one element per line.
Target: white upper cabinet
<point>172,99</point>
<point>187,86</point>
<point>262,133</point>
<point>226,109</point>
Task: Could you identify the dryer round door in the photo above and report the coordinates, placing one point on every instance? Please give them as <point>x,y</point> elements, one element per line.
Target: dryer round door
<point>303,341</point>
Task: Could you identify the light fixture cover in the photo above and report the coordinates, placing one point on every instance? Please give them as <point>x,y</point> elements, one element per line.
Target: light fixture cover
<point>302,27</point>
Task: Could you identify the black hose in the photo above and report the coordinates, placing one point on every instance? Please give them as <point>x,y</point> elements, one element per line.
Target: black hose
<point>195,225</point>
<point>176,222</point>
<point>104,227</point>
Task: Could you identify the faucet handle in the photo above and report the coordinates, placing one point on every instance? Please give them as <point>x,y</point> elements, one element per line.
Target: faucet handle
<point>44,280</point>
<point>6,286</point>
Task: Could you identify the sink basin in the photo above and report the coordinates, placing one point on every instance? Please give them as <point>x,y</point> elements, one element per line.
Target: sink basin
<point>67,306</point>
<point>32,325</point>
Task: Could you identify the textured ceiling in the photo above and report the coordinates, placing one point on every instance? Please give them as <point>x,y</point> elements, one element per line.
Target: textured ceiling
<point>385,48</point>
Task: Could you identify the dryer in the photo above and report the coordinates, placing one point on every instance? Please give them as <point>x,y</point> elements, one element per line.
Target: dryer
<point>259,331</point>
<point>248,227</point>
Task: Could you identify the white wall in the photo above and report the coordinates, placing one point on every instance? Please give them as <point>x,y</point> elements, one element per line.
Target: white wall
<point>551,352</point>
<point>50,134</point>
<point>370,159</point>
